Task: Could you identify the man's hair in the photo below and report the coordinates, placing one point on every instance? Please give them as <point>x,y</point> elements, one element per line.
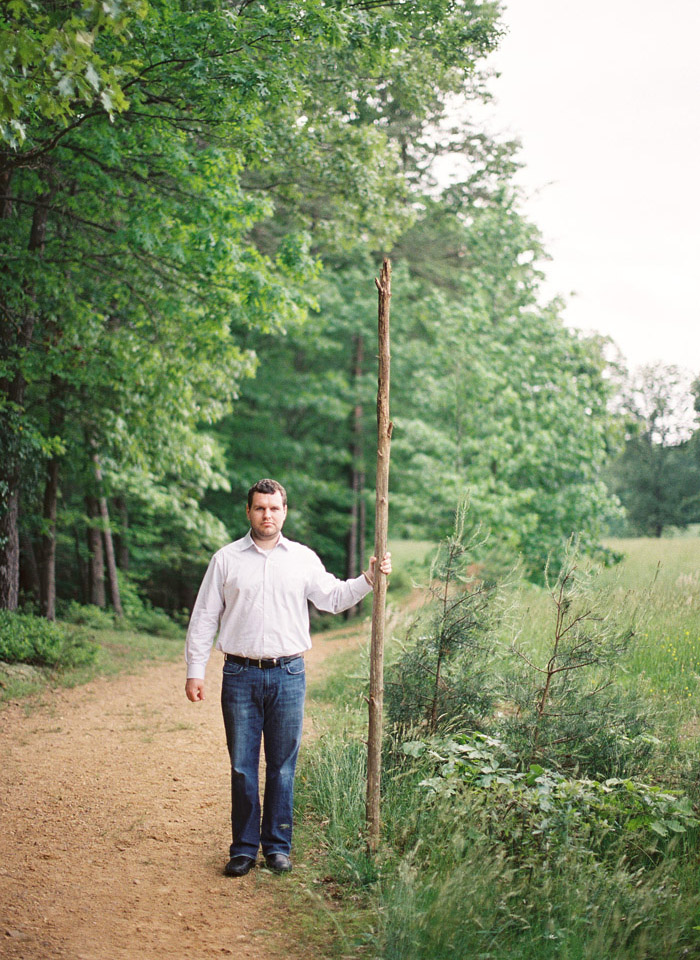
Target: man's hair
<point>267,486</point>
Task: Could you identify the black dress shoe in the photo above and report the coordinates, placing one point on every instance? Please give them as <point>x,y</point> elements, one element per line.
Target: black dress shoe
<point>278,862</point>
<point>239,866</point>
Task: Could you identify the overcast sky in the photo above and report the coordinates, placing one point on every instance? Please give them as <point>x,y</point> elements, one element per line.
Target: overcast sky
<point>605,98</point>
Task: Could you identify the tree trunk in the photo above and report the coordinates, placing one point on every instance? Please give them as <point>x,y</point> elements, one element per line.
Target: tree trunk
<point>28,567</point>
<point>15,336</point>
<point>5,202</point>
<point>376,675</point>
<point>80,567</point>
<point>9,539</point>
<point>47,547</point>
<point>96,576</point>
<point>109,544</point>
<point>121,540</point>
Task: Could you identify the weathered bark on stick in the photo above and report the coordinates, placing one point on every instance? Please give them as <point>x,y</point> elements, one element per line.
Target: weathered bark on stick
<point>376,676</point>
<point>362,532</point>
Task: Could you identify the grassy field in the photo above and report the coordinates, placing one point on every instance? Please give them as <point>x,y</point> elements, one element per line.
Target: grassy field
<point>665,577</point>
<point>454,877</point>
<point>657,586</point>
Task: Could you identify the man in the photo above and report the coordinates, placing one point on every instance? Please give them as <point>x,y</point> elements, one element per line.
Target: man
<point>255,594</point>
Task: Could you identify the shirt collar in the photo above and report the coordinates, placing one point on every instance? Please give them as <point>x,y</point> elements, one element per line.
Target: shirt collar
<point>247,543</point>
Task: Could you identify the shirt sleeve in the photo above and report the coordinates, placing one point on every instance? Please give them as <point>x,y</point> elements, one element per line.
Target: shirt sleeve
<point>205,619</point>
<point>332,595</point>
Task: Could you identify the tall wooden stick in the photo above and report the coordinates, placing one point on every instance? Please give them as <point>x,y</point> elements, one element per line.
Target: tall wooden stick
<point>376,674</point>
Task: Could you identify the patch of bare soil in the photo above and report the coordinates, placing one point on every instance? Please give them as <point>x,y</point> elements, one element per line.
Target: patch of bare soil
<point>114,805</point>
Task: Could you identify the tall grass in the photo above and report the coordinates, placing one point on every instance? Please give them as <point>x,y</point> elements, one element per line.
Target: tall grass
<point>445,886</point>
<point>332,784</point>
<point>477,904</point>
<point>665,574</point>
<point>659,579</point>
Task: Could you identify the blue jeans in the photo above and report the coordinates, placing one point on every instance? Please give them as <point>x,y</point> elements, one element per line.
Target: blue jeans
<point>265,705</point>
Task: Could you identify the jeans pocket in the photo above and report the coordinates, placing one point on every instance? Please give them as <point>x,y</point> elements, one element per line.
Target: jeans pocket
<point>295,667</point>
<point>232,669</point>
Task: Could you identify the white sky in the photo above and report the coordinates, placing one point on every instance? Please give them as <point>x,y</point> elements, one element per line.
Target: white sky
<point>605,98</point>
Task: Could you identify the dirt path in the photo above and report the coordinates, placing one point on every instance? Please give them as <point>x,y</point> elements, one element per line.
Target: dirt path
<point>115,827</point>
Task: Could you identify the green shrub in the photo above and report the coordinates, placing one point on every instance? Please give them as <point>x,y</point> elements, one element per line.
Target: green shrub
<point>538,811</point>
<point>153,620</point>
<point>589,731</point>
<point>550,834</point>
<point>563,702</point>
<point>416,695</point>
<point>87,615</point>
<point>400,583</point>
<point>441,675</point>
<point>497,862</point>
<point>479,859</point>
<point>140,614</point>
<point>28,639</point>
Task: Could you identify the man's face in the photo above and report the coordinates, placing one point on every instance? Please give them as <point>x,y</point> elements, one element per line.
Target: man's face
<point>266,515</point>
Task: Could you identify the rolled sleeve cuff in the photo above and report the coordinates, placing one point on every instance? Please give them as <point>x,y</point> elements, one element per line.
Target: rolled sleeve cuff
<point>196,671</point>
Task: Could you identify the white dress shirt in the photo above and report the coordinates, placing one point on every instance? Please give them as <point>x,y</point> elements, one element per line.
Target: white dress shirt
<point>257,601</point>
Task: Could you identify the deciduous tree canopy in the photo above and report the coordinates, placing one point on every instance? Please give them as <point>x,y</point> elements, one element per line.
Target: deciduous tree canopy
<point>193,201</point>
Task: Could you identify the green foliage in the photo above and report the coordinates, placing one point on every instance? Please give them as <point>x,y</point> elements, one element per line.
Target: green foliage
<point>513,407</point>
<point>139,615</point>
<point>57,61</point>
<point>441,676</point>
<point>470,900</point>
<point>486,855</point>
<point>480,858</point>
<point>28,639</point>
<point>183,181</point>
<point>657,475</point>
<point>658,486</point>
<point>539,813</point>
<point>185,186</point>
<point>115,652</point>
<point>562,697</point>
<point>87,615</point>
<point>332,779</point>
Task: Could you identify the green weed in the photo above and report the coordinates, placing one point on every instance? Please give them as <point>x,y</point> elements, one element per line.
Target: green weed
<point>540,863</point>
